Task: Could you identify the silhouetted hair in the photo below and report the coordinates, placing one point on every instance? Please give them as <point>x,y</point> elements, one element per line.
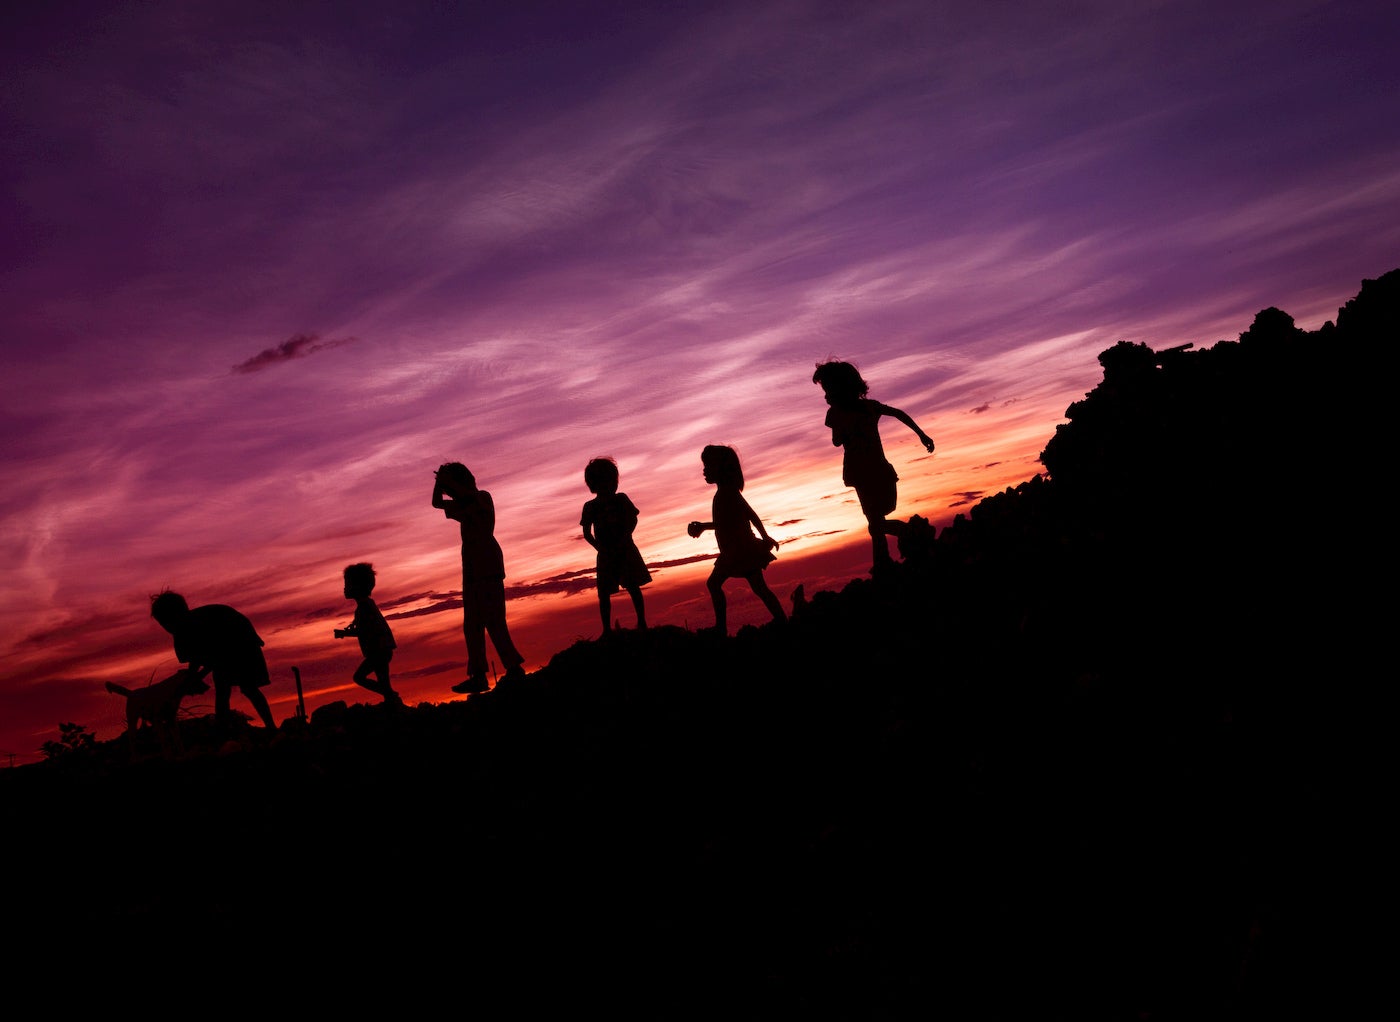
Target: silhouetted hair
<point>841,380</point>
<point>456,470</point>
<point>361,576</point>
<point>601,475</point>
<point>723,463</point>
<point>167,606</point>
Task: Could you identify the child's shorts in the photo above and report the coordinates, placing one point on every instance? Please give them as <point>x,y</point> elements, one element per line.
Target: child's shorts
<point>876,488</point>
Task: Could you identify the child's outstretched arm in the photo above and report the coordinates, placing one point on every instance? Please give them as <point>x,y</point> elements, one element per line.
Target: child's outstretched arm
<point>696,528</point>
<point>904,417</point>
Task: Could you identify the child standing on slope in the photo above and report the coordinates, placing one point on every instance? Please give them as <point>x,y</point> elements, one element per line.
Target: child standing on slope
<point>376,638</point>
<point>455,493</point>
<point>854,420</point>
<point>741,553</point>
<point>608,522</point>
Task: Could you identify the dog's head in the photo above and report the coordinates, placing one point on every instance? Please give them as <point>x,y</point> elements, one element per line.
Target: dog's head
<point>188,682</point>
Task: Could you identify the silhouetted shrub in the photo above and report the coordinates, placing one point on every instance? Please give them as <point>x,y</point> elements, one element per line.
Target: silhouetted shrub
<point>74,741</point>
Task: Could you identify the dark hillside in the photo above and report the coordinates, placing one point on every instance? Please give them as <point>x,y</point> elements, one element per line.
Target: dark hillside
<point>1081,755</point>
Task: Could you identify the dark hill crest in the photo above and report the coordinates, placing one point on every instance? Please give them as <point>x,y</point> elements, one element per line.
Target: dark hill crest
<point>1076,754</point>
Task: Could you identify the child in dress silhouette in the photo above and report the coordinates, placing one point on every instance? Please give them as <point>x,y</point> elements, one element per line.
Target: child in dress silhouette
<point>608,522</point>
<point>741,553</point>
<point>854,420</point>
<point>376,638</point>
<point>483,574</point>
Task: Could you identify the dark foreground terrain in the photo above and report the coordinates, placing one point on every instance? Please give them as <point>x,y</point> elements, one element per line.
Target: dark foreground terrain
<point>1087,753</point>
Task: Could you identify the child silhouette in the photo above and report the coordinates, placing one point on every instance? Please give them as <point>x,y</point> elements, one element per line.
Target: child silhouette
<point>854,420</point>
<point>218,641</point>
<point>376,638</point>
<point>608,522</point>
<point>741,553</point>
<point>483,574</point>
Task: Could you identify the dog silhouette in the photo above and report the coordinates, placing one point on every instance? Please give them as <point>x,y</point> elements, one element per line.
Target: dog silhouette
<point>158,704</point>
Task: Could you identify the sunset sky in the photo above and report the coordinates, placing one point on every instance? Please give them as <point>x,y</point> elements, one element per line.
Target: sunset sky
<point>266,265</point>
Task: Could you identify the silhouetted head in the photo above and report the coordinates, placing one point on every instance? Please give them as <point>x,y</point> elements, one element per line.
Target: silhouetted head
<point>169,609</point>
<point>601,475</point>
<point>841,381</point>
<point>456,475</point>
<point>722,466</point>
<point>359,580</point>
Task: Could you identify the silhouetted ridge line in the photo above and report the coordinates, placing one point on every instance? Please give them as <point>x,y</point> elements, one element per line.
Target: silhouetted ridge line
<point>1080,754</point>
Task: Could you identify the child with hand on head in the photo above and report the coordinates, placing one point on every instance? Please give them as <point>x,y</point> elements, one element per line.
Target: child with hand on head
<point>854,420</point>
<point>376,638</point>
<point>741,553</point>
<point>455,493</point>
<point>608,522</point>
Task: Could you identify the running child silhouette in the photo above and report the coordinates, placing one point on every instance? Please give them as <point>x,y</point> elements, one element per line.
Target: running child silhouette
<point>483,574</point>
<point>608,522</point>
<point>741,553</point>
<point>854,420</point>
<point>376,638</point>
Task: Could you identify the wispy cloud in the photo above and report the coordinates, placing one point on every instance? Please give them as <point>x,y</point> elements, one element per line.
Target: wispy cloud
<point>293,348</point>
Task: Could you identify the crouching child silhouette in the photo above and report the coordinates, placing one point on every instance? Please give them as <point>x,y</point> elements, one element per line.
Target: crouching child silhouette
<point>369,627</point>
<point>218,641</point>
<point>741,553</point>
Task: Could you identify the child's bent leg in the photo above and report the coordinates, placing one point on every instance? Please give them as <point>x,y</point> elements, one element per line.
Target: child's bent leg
<point>362,678</point>
<point>386,688</point>
<point>879,545</point>
<point>769,598</point>
<point>511,657</point>
<point>876,501</point>
<point>494,612</point>
<point>221,702</point>
<point>716,587</point>
<point>259,701</point>
<point>379,683</point>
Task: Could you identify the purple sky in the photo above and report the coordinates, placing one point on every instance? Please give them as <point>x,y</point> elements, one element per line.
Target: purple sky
<point>265,266</point>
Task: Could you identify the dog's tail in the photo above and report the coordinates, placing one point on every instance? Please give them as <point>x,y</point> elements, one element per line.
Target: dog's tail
<point>118,690</point>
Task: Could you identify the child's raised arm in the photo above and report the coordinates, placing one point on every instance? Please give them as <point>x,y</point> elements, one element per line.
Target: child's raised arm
<point>475,508</point>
